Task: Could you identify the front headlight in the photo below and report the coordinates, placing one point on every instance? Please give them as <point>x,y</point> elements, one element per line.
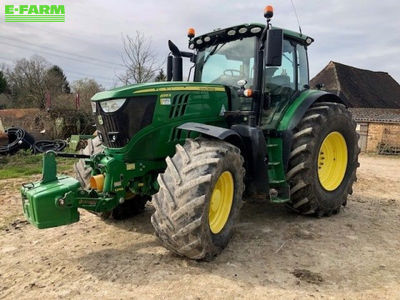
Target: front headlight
<point>112,105</point>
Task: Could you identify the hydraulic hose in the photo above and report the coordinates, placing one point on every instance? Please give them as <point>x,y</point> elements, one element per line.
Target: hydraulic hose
<point>17,139</point>
<point>46,145</point>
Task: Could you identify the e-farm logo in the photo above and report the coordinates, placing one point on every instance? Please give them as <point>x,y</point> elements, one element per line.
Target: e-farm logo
<point>34,13</point>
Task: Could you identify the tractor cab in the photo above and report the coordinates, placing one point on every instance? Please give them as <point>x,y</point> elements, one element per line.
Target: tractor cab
<point>264,67</point>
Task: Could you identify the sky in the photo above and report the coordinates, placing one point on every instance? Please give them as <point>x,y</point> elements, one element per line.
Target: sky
<point>360,33</point>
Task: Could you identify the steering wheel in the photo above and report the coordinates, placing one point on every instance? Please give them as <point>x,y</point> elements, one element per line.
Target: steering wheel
<point>232,71</point>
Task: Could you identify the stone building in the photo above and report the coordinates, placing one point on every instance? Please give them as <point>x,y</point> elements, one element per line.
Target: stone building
<point>379,129</point>
<point>373,99</point>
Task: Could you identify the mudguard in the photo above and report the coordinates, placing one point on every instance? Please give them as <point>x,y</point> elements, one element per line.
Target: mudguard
<point>295,113</point>
<point>297,109</point>
<point>252,144</point>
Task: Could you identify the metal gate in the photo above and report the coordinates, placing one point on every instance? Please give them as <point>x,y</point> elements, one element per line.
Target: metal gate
<point>390,143</point>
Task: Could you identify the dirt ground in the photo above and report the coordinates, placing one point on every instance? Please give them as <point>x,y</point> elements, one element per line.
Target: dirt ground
<point>273,254</point>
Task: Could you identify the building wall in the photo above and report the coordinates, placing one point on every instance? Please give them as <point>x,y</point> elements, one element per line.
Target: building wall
<point>382,133</point>
<point>362,129</point>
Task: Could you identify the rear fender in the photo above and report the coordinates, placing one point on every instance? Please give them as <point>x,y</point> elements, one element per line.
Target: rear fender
<point>295,113</point>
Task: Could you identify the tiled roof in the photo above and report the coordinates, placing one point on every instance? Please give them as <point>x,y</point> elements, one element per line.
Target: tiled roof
<point>358,87</point>
<point>376,115</point>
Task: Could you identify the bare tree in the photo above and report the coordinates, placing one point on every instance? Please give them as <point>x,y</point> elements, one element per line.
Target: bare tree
<point>86,88</point>
<point>27,81</point>
<point>139,59</point>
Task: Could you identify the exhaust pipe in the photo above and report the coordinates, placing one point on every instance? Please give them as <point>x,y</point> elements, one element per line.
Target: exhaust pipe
<point>177,69</point>
<point>174,62</point>
<point>169,67</point>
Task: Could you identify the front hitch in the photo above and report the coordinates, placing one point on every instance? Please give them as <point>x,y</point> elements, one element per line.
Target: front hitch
<point>54,201</point>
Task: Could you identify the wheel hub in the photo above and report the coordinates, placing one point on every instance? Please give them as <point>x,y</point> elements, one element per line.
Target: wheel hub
<point>221,202</point>
<point>332,161</point>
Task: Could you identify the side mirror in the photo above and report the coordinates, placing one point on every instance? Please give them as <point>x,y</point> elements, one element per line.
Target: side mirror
<point>273,48</point>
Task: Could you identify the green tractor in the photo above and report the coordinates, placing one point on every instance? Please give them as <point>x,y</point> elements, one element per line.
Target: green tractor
<point>248,124</point>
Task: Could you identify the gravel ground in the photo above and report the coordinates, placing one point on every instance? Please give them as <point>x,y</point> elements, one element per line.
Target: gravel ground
<point>274,254</point>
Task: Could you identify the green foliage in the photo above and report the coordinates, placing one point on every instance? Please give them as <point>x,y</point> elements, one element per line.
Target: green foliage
<point>161,76</point>
<point>57,81</point>
<point>24,163</point>
<point>3,83</point>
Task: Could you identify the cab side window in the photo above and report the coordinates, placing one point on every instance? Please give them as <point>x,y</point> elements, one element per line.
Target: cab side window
<point>302,67</point>
<point>282,80</point>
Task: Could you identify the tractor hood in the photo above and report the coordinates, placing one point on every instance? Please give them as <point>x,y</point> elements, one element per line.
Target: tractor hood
<point>115,109</point>
<point>155,88</point>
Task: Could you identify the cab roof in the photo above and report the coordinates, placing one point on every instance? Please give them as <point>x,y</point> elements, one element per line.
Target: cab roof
<point>234,32</point>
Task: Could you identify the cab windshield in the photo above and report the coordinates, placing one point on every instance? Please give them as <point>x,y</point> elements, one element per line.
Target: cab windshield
<point>227,63</point>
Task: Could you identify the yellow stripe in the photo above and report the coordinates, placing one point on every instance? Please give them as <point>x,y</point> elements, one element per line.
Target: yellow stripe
<point>182,88</point>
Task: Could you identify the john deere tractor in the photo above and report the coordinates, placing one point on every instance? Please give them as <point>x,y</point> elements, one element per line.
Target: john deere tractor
<point>247,124</point>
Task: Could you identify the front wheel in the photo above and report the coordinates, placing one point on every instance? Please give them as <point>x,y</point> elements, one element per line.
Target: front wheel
<point>323,160</point>
<point>199,198</point>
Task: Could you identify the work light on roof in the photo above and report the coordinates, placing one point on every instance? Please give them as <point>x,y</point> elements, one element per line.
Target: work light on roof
<point>199,42</point>
<point>242,30</point>
<point>207,39</point>
<point>231,32</point>
<point>255,29</point>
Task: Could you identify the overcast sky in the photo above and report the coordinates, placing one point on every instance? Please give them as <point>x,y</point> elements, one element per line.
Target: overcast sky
<point>361,33</point>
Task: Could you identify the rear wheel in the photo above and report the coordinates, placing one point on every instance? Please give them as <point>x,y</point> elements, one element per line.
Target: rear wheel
<point>199,198</point>
<point>132,206</point>
<point>323,160</point>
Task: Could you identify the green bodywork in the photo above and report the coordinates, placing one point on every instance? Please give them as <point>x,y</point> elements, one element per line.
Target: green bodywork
<point>41,200</point>
<point>133,168</point>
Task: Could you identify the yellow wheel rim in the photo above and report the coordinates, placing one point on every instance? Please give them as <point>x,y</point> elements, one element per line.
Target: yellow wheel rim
<point>332,161</point>
<point>221,202</point>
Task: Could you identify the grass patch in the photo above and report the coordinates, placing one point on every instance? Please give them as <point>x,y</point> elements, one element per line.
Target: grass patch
<point>24,164</point>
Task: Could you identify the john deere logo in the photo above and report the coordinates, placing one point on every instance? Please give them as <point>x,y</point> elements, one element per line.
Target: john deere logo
<point>34,13</point>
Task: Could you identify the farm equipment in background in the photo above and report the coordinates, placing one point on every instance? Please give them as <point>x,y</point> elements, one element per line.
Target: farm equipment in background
<point>16,139</point>
<point>248,122</point>
<point>79,141</point>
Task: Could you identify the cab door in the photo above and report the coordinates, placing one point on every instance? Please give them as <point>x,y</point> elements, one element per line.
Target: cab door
<point>284,83</point>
